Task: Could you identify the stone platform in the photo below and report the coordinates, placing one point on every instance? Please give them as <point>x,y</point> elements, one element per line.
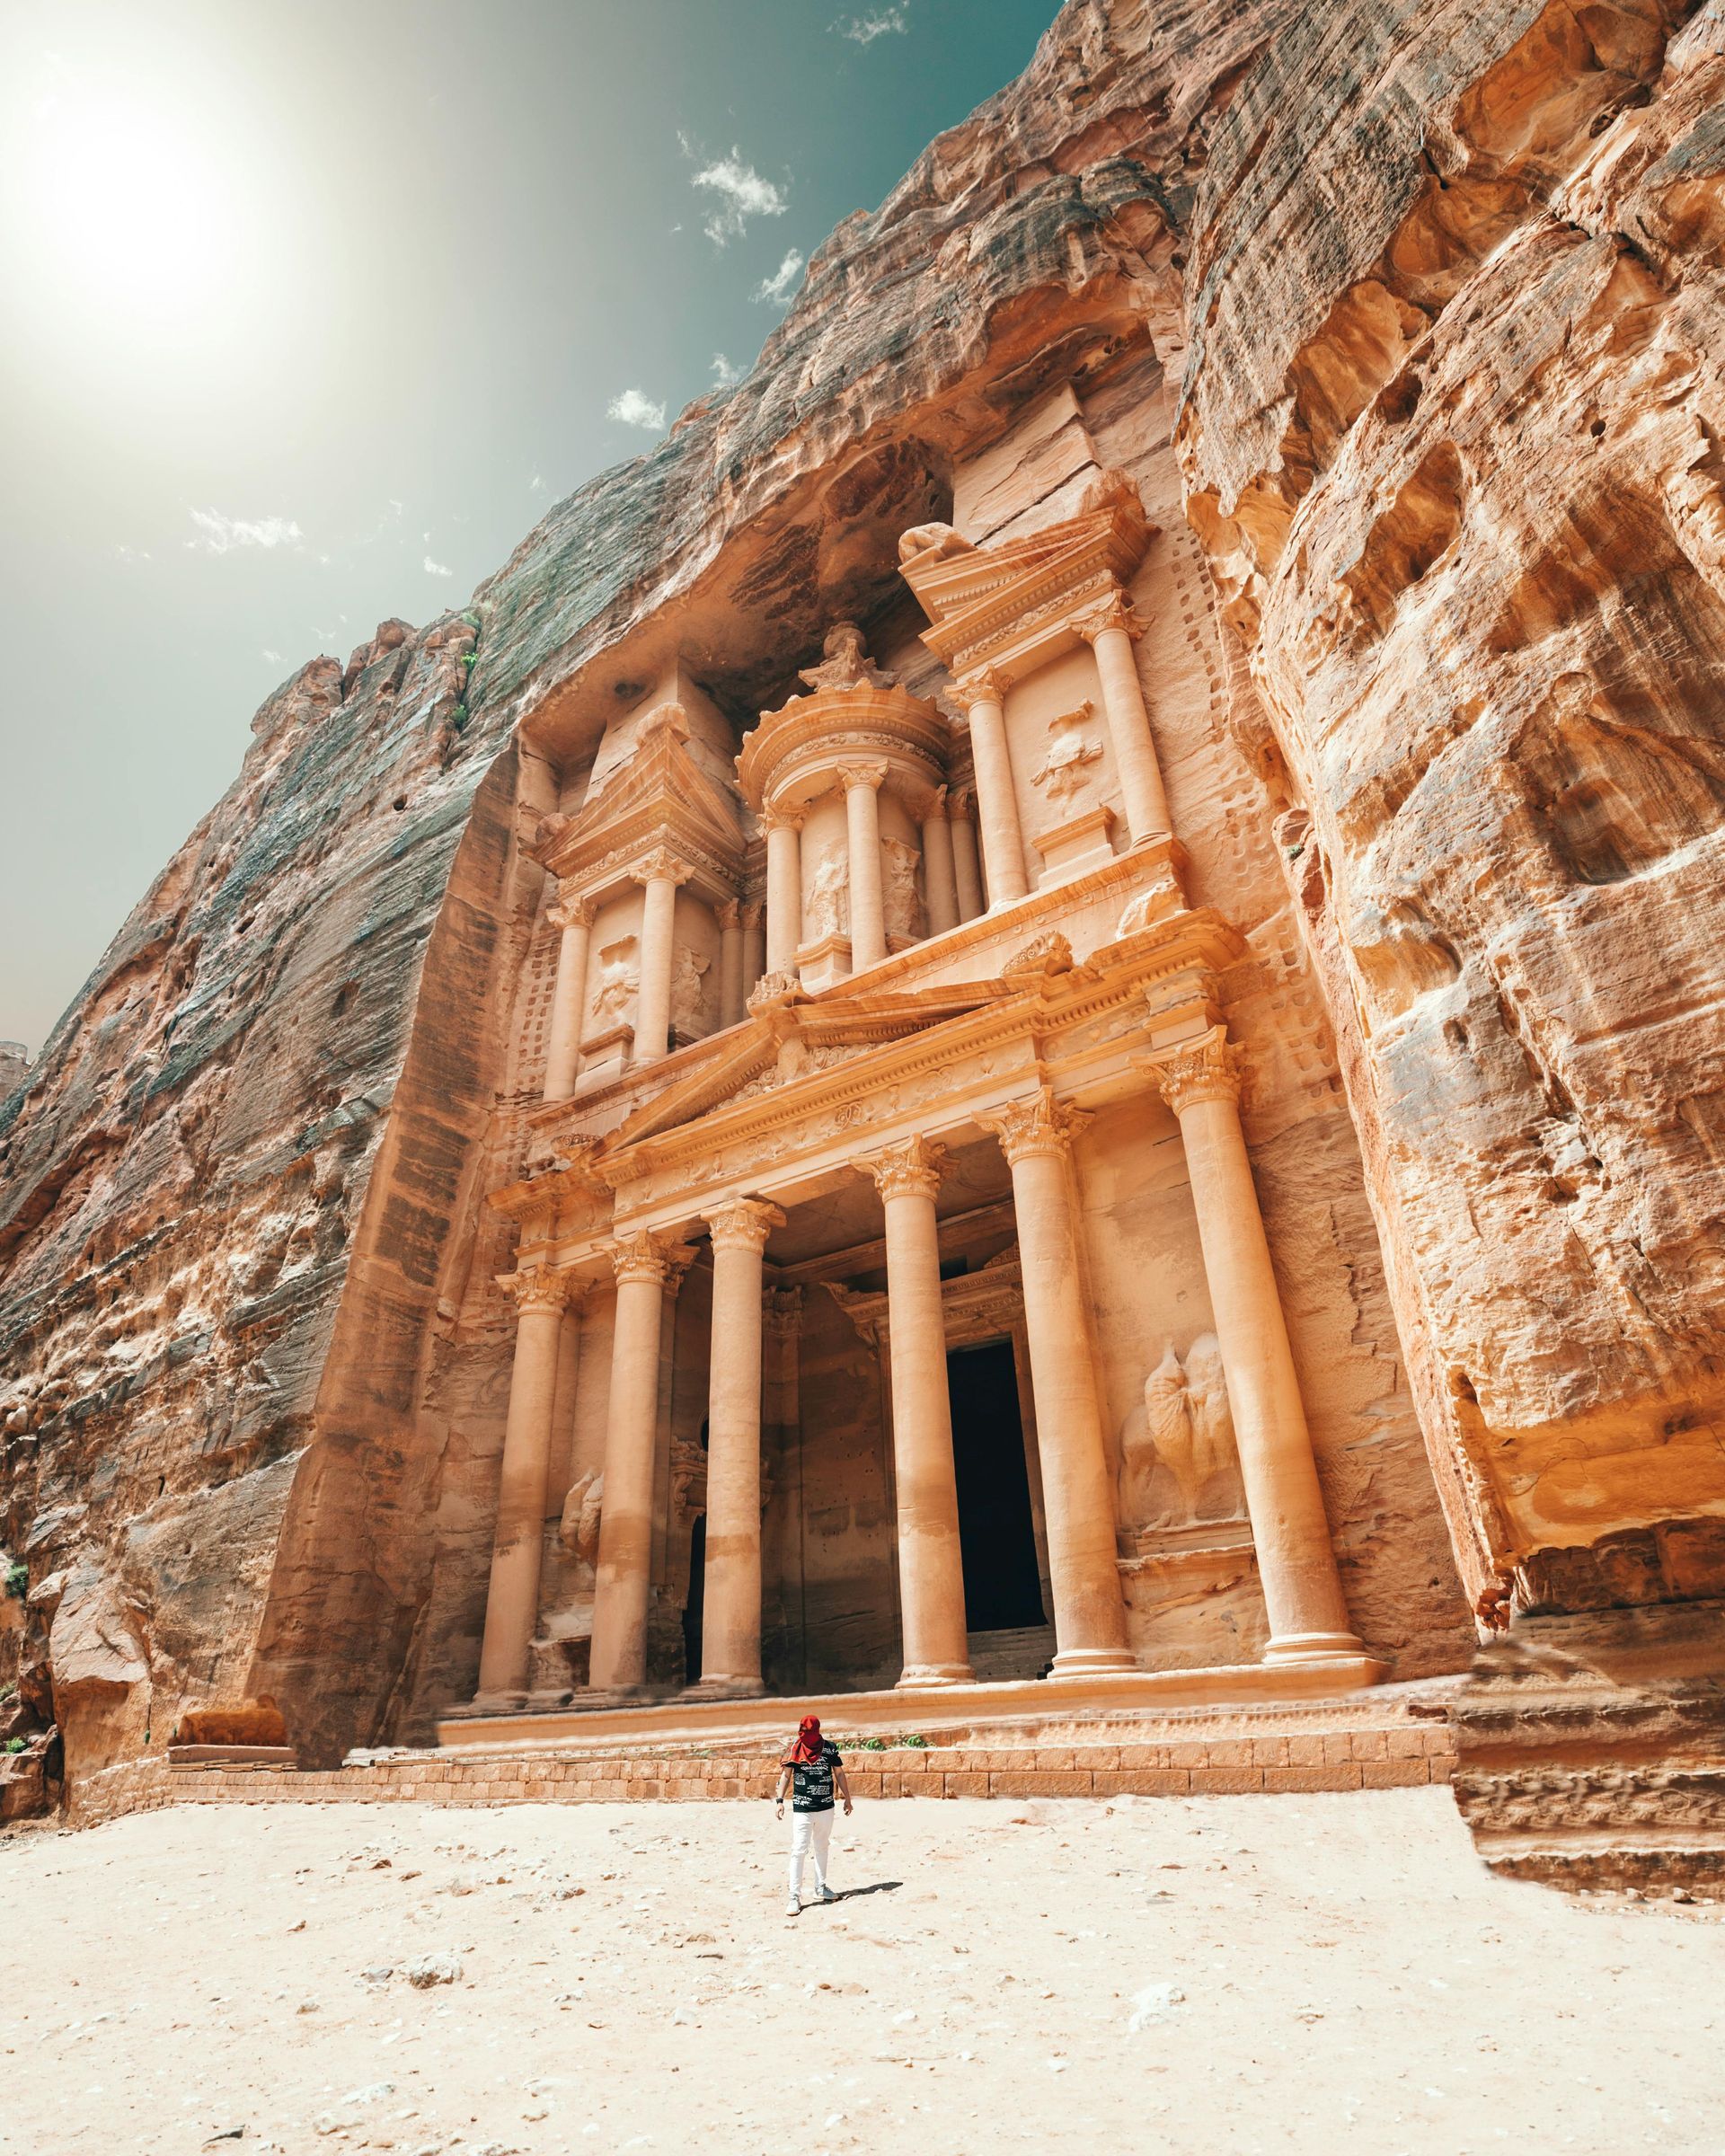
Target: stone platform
<point>1386,1738</point>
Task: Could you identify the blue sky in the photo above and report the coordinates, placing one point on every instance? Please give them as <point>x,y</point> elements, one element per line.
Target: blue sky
<point>309,312</point>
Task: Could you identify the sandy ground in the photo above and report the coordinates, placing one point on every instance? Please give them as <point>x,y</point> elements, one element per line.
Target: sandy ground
<point>1220,1974</point>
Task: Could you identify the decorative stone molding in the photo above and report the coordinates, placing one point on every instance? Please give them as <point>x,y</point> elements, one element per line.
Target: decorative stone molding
<point>871,775</point>
<point>777,818</point>
<point>1040,1125</point>
<point>660,866</point>
<point>743,1225</point>
<point>536,1288</point>
<point>646,1255</point>
<point>987,684</point>
<point>774,988</point>
<point>782,1312</point>
<point>1048,953</point>
<point>1211,1068</point>
<point>569,910</point>
<point>914,1168</point>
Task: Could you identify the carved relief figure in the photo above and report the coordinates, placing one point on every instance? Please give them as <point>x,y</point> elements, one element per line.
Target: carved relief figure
<point>618,982</point>
<point>1187,1427</point>
<point>844,663</point>
<point>899,902</point>
<point>1064,770</point>
<point>579,1529</point>
<point>689,991</point>
<point>826,911</point>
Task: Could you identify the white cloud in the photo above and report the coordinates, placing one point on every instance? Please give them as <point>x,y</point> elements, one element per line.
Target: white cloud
<point>436,568</point>
<point>635,408</point>
<point>742,194</point>
<point>783,283</point>
<point>219,534</point>
<point>273,658</point>
<point>724,375</point>
<point>536,484</point>
<point>864,30</point>
<point>135,554</point>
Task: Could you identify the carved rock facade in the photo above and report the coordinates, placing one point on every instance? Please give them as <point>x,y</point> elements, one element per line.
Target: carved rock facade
<point>1223,658</point>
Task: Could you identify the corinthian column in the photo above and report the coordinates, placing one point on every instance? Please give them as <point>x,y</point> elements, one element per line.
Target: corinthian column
<point>754,948</point>
<point>939,881</point>
<point>860,783</point>
<point>783,889</point>
<point>731,1635</point>
<point>966,873</point>
<point>983,697</point>
<point>931,1568</point>
<point>1110,629</point>
<point>512,1601</point>
<point>1308,1618</point>
<point>731,991</point>
<point>658,875</point>
<point>1077,1491</point>
<point>621,1589</point>
<point>574,917</point>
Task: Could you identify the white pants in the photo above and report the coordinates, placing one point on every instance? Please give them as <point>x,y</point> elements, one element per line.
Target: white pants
<point>811,1833</point>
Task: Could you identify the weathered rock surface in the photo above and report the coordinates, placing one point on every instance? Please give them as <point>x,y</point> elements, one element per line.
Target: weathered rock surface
<point>1426,300</point>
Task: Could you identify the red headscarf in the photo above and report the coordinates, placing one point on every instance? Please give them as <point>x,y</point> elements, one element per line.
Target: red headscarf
<point>807,1748</point>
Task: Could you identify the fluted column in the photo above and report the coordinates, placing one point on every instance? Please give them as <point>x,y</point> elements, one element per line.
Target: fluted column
<point>574,917</point>
<point>1110,631</point>
<point>1077,1491</point>
<point>861,782</point>
<point>940,883</point>
<point>931,1568</point>
<point>965,871</point>
<point>732,990</point>
<point>658,875</point>
<point>783,890</point>
<point>512,1600</point>
<point>730,1633</point>
<point>1297,1565</point>
<point>983,697</point>
<point>754,948</point>
<point>624,1583</point>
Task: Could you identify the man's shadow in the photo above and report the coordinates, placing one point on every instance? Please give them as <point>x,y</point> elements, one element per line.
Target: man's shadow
<point>852,1893</point>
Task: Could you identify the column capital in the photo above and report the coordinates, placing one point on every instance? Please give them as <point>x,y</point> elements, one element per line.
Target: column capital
<point>729,915</point>
<point>1211,1068</point>
<point>754,916</point>
<point>743,1223</point>
<point>930,805</point>
<point>646,1255</point>
<point>852,776</point>
<point>1040,1125</point>
<point>778,818</point>
<point>914,1168</point>
<point>536,1288</point>
<point>570,909</point>
<point>782,1312</point>
<point>660,866</point>
<point>960,801</point>
<point>1114,612</point>
<point>987,684</point>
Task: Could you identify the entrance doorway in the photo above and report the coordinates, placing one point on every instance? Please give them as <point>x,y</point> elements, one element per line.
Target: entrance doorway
<point>693,1608</point>
<point>997,1538</point>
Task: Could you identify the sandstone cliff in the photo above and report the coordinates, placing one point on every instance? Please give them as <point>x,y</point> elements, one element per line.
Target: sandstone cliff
<point>1433,293</point>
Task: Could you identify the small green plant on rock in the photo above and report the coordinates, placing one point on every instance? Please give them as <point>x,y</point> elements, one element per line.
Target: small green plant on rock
<point>18,1578</point>
<point>917,1743</point>
<point>15,1744</point>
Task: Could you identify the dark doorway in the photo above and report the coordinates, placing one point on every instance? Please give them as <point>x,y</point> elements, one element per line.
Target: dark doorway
<point>693,1607</point>
<point>1002,1590</point>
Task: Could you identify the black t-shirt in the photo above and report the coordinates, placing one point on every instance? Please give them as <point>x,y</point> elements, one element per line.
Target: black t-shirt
<point>811,1781</point>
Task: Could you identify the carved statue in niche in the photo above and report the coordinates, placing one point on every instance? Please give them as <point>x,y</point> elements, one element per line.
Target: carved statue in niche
<point>1186,1428</point>
<point>579,1529</point>
<point>618,981</point>
<point>844,663</point>
<point>827,912</point>
<point>689,991</point>
<point>899,902</point>
<point>1064,770</point>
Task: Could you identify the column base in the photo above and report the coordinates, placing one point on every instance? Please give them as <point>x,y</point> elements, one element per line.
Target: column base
<point>919,1675</point>
<point>1315,1647</point>
<point>725,1688</point>
<point>494,1702</point>
<point>1093,1662</point>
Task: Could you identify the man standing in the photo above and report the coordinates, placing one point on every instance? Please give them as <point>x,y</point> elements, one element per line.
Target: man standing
<point>811,1770</point>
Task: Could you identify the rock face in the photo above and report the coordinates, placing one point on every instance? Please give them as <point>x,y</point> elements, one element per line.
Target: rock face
<point>1405,320</point>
